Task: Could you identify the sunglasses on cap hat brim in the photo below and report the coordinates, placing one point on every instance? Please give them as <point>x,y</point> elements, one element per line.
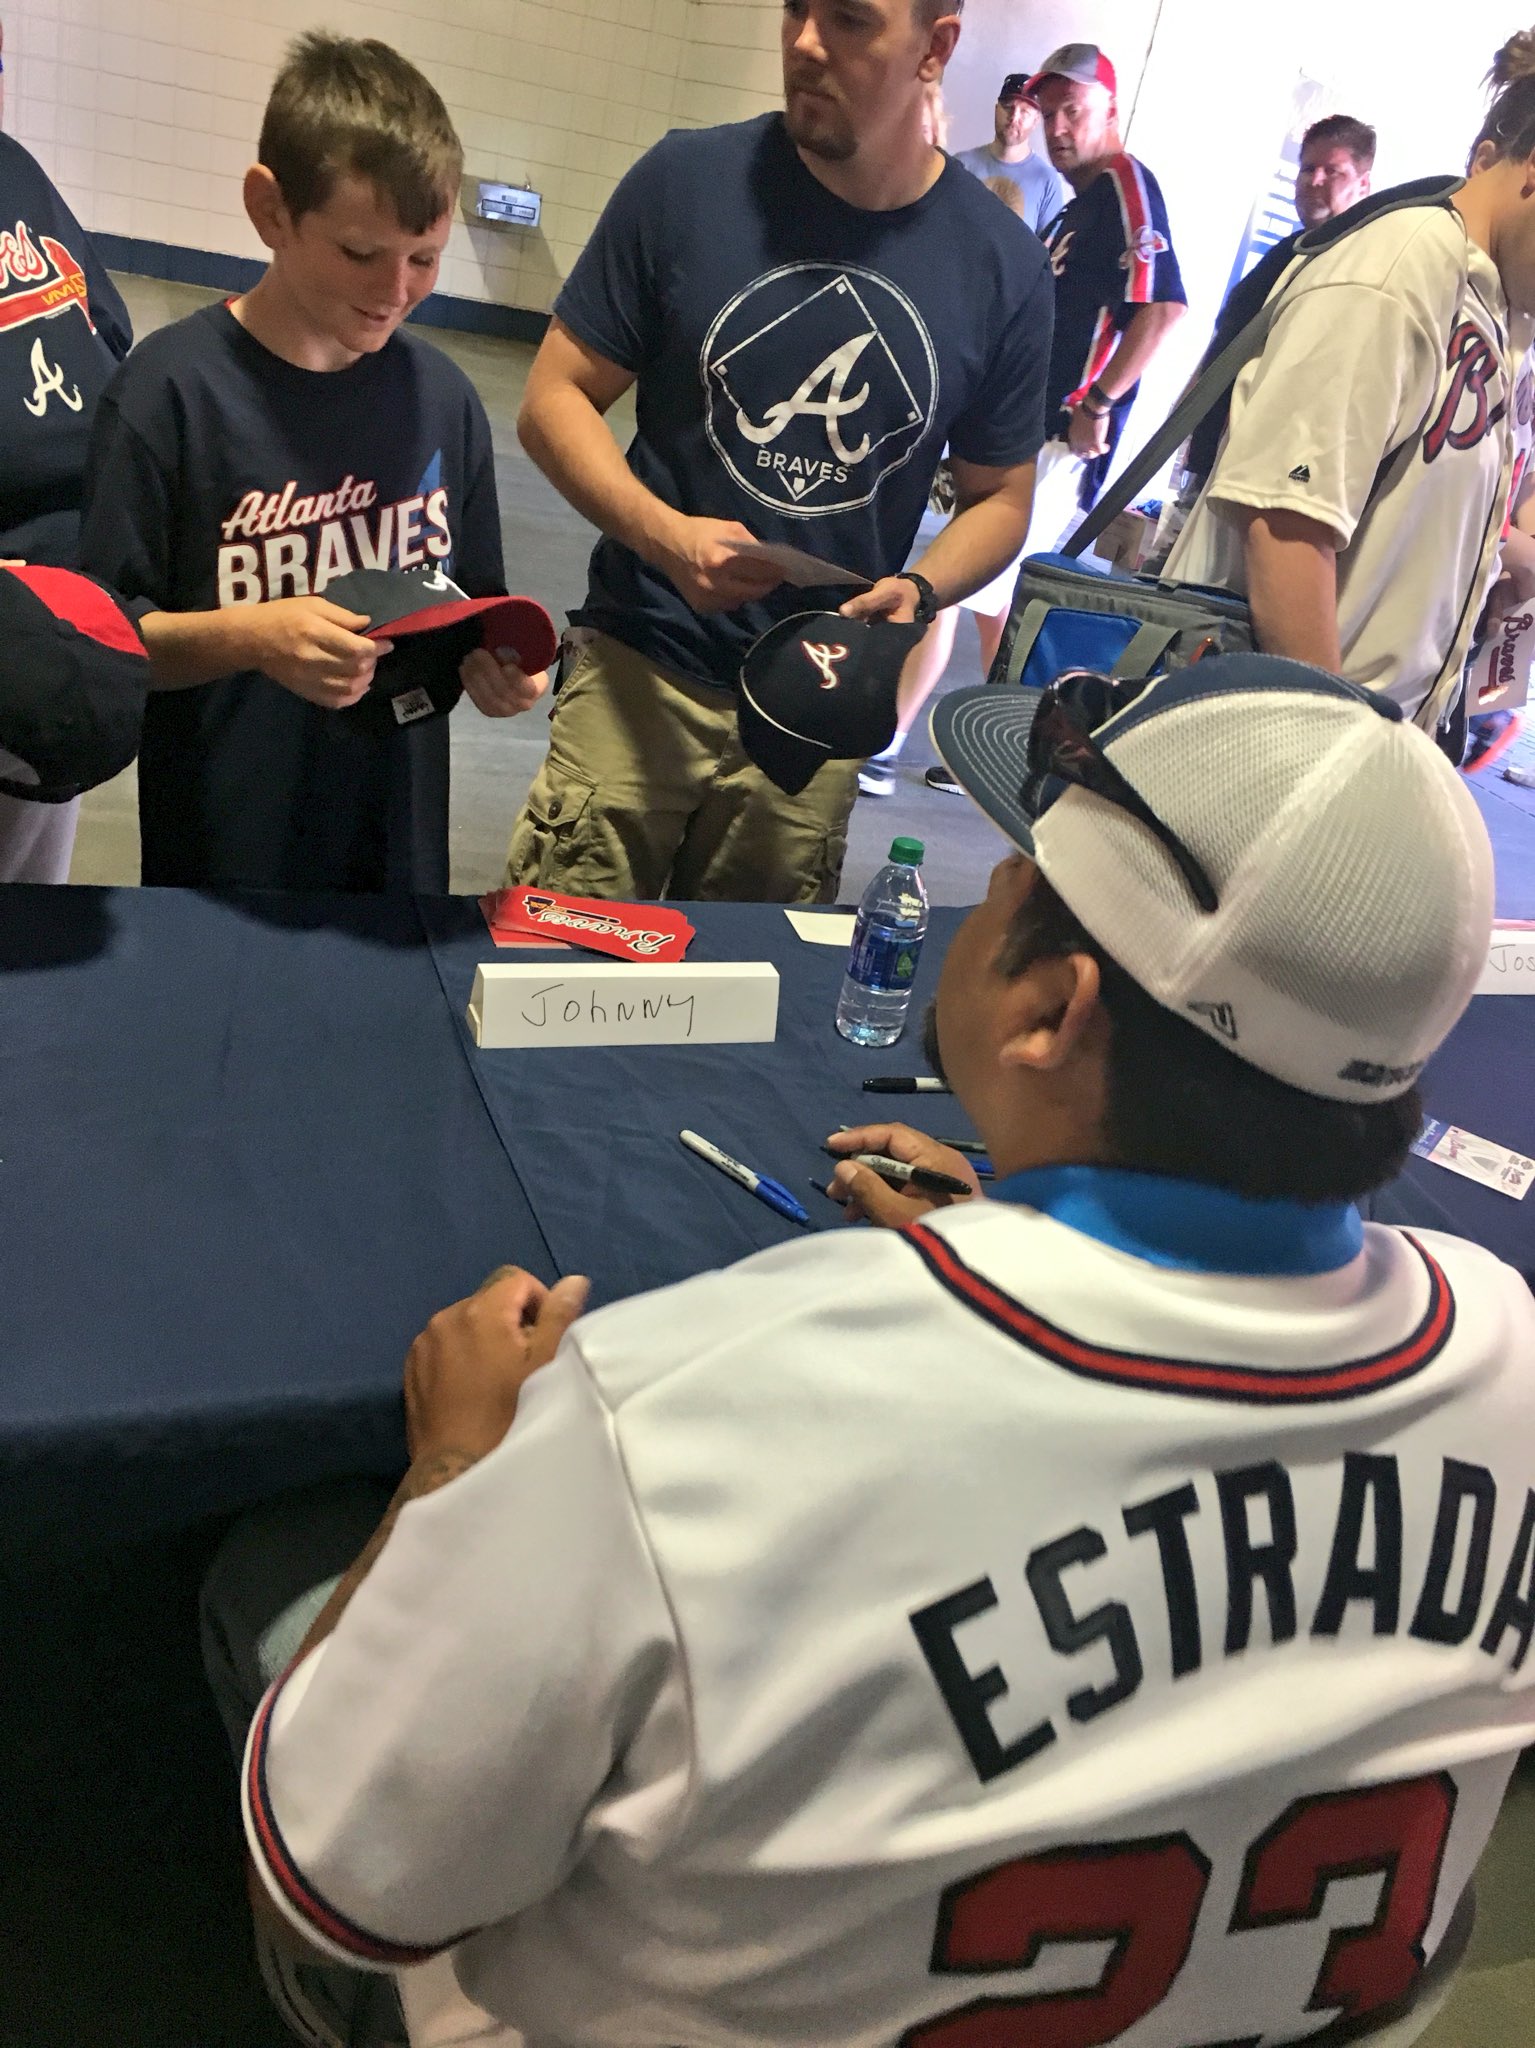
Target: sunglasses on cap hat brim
<point>1059,747</point>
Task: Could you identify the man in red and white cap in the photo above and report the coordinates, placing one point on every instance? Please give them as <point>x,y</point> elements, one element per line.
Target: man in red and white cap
<point>1118,292</point>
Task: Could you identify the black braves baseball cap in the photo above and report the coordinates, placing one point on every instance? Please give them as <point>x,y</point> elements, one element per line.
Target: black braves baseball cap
<point>819,687</point>
<point>73,679</point>
<point>433,625</point>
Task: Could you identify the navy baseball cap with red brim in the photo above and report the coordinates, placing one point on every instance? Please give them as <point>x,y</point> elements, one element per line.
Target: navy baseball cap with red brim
<point>438,625</point>
<point>74,676</point>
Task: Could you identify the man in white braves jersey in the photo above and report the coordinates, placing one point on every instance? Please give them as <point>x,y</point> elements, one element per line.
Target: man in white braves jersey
<point>1359,495</point>
<point>1103,1607</point>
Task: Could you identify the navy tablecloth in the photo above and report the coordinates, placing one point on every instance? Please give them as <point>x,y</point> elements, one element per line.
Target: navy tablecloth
<point>247,1148</point>
<point>1482,1078</point>
<point>595,1134</point>
<point>242,1161</point>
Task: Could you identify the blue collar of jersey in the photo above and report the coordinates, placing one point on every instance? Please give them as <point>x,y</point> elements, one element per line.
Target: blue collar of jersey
<point>1186,1223</point>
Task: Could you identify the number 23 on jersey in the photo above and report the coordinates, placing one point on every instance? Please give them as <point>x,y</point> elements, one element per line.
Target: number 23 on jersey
<point>1144,1898</point>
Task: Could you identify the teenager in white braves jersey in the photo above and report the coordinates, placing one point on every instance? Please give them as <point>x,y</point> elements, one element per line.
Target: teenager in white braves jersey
<point>1022,1620</point>
<point>1359,495</point>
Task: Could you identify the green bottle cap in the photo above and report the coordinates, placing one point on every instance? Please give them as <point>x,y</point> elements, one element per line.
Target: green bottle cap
<point>908,852</point>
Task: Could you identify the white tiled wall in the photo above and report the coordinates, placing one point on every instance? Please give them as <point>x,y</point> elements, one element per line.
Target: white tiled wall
<point>145,112</point>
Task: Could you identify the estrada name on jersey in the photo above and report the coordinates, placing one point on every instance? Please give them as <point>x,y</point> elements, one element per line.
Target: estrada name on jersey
<point>1380,407</point>
<point>1109,1602</point>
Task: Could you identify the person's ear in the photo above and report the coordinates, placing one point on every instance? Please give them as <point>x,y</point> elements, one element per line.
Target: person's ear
<point>1053,1013</point>
<point>940,48</point>
<point>265,207</point>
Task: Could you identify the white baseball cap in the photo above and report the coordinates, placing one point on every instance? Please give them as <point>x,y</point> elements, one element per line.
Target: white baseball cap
<point>1346,873</point>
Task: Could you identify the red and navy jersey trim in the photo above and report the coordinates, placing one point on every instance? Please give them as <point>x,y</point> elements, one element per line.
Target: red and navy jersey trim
<point>1257,1385</point>
<point>306,1902</point>
<point>1104,342</point>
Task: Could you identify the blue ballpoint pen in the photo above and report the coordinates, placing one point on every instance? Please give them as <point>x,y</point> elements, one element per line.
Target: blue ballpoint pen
<point>773,1192</point>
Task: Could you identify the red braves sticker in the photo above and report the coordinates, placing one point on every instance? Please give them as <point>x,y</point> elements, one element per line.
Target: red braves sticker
<point>38,284</point>
<point>627,931</point>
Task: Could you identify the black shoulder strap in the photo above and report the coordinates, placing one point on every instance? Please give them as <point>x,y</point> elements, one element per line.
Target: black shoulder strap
<point>1218,379</point>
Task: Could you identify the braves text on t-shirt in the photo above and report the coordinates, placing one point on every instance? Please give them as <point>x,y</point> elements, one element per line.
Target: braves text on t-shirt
<point>800,363</point>
<point>63,329</point>
<point>222,475</point>
<point>290,544</point>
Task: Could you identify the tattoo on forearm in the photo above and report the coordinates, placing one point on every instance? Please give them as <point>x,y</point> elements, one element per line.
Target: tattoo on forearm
<point>424,1477</point>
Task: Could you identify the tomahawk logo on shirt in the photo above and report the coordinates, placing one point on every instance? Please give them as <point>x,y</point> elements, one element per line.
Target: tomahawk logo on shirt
<point>287,543</point>
<point>821,381</point>
<point>39,279</point>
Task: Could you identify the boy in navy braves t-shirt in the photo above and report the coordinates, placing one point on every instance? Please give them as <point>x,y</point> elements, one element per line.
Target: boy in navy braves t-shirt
<point>250,454</point>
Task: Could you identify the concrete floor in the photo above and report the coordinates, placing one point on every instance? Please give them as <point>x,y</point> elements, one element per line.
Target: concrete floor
<point>201,1964</point>
<point>547,545</point>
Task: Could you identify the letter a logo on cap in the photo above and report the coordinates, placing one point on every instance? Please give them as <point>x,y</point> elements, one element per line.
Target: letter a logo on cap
<point>1221,1015</point>
<point>825,658</point>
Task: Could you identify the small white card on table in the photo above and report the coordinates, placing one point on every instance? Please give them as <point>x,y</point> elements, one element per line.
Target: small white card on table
<point>1510,969</point>
<point>824,927</point>
<point>618,1002</point>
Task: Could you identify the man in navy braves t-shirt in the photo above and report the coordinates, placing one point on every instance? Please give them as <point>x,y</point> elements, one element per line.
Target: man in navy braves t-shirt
<point>810,306</point>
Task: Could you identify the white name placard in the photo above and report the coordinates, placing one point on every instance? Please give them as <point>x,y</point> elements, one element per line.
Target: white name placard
<point>1510,969</point>
<point>519,1003</point>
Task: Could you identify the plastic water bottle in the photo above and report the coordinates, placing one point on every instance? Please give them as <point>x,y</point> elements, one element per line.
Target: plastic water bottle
<point>887,944</point>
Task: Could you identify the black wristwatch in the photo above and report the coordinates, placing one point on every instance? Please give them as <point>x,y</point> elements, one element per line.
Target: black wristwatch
<point>927,597</point>
<point>1096,400</point>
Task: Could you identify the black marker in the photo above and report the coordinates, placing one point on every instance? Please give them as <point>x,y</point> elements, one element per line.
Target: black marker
<point>925,1178</point>
<point>906,1084</point>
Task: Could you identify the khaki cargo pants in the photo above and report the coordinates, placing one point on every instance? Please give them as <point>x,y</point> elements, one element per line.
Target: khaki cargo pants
<point>647,792</point>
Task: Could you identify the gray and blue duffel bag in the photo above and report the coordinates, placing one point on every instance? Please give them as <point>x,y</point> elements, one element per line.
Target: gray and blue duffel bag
<point>1066,617</point>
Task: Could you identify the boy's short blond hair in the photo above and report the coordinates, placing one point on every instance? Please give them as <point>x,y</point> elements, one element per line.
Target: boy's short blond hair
<point>341,105</point>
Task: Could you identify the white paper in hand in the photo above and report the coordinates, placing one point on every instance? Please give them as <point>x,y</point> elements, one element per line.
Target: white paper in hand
<point>805,572</point>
